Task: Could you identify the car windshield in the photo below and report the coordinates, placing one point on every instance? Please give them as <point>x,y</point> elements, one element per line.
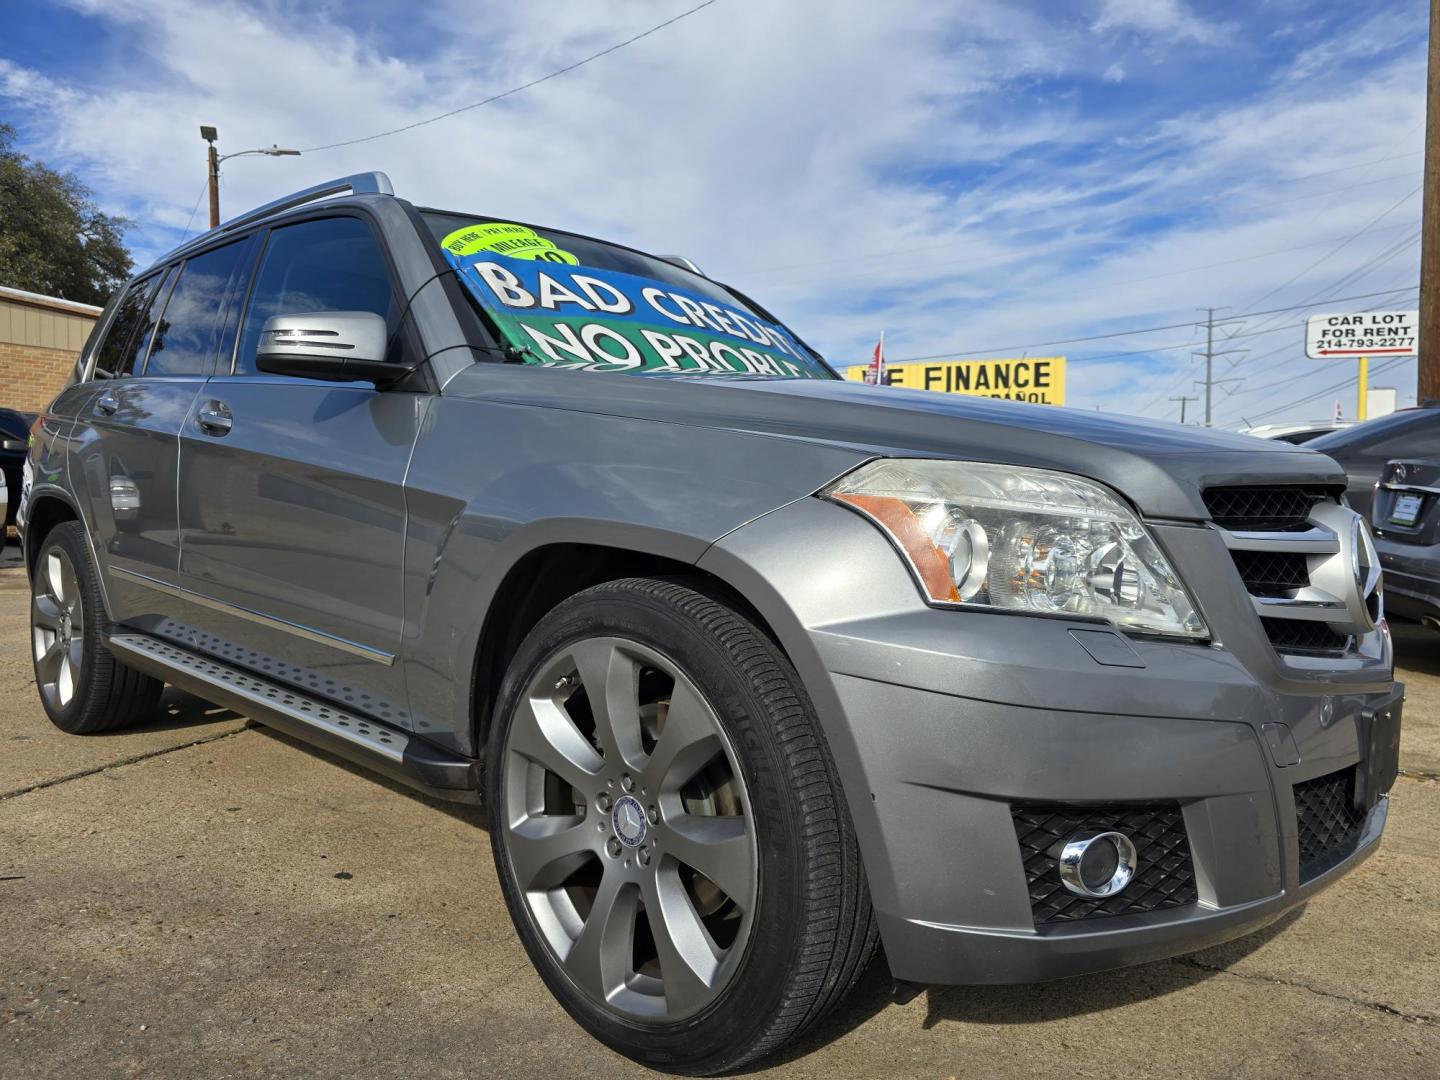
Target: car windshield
<point>558,299</point>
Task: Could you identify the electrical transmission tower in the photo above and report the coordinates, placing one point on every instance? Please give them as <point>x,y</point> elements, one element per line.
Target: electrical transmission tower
<point>1210,353</point>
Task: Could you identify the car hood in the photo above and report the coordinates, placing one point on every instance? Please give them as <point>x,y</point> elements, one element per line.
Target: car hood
<point>1161,467</point>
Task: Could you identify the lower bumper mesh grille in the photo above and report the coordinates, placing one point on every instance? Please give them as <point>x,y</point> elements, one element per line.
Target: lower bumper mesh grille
<point>1329,822</point>
<point>1304,636</point>
<point>1165,876</point>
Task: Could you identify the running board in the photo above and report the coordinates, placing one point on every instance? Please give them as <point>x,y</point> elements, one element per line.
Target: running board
<point>366,742</point>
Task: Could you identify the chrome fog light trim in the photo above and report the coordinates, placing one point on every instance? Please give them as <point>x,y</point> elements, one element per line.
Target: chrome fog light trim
<point>1086,852</point>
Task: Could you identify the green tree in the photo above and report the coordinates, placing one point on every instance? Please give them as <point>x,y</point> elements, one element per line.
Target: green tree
<point>53,238</point>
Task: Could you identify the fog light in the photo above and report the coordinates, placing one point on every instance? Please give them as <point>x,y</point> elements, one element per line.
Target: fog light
<point>1097,864</point>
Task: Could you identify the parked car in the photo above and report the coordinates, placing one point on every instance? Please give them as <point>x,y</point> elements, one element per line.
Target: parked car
<point>1406,516</point>
<point>1299,431</point>
<point>14,442</point>
<point>1364,449</point>
<point>754,667</point>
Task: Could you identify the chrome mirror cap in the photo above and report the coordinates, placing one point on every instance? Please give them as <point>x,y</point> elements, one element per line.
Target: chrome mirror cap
<point>342,335</point>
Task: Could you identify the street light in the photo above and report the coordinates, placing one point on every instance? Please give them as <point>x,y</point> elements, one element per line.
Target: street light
<point>209,134</point>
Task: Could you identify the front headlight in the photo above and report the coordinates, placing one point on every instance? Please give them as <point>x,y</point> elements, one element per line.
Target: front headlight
<point>1022,539</point>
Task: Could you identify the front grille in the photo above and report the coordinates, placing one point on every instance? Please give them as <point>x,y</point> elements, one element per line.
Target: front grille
<point>1270,569</point>
<point>1304,636</point>
<point>1329,822</point>
<point>1272,573</point>
<point>1164,877</point>
<point>1263,509</point>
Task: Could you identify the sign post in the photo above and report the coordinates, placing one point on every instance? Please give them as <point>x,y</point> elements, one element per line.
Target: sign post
<point>1362,334</point>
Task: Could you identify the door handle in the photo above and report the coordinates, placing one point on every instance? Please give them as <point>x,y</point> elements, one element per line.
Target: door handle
<point>108,403</point>
<point>215,418</point>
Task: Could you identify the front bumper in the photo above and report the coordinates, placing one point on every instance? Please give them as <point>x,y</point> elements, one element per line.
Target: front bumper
<point>956,906</point>
<point>942,722</point>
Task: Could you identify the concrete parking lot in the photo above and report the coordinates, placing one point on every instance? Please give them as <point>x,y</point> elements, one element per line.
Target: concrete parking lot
<point>204,897</point>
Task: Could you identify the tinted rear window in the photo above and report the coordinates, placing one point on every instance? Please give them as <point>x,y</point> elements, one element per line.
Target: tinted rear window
<point>129,330</point>
<point>188,331</point>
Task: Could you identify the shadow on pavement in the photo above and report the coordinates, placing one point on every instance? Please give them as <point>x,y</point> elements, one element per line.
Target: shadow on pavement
<point>467,812</point>
<point>1031,1004</point>
<point>177,710</point>
<point>1417,648</point>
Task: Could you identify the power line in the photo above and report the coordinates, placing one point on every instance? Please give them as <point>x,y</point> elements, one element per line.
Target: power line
<point>1343,244</point>
<point>1000,349</point>
<point>1379,370</point>
<point>1302,374</point>
<point>1369,266</point>
<point>516,89</point>
<point>193,210</point>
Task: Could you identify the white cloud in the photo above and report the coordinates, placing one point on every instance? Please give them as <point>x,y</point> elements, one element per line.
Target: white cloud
<point>1114,74</point>
<point>911,166</point>
<point>1169,19</point>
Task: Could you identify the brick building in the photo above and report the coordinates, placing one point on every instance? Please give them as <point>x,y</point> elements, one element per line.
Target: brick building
<point>40,337</point>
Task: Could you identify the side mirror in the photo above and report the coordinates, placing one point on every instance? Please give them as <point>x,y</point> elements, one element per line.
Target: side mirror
<point>338,346</point>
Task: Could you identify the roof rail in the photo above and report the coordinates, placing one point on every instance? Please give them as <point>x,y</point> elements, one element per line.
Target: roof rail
<point>369,183</point>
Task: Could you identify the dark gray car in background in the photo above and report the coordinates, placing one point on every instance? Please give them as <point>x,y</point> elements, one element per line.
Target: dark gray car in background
<point>753,667</point>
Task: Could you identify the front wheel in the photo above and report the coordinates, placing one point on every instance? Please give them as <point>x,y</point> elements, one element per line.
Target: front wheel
<point>669,830</point>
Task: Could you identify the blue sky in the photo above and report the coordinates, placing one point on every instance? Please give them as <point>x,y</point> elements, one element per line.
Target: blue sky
<point>974,178</point>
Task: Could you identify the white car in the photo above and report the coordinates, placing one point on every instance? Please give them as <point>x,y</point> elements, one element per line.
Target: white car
<point>1297,431</point>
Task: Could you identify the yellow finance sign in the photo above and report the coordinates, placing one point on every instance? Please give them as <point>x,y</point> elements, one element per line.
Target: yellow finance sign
<point>1039,379</point>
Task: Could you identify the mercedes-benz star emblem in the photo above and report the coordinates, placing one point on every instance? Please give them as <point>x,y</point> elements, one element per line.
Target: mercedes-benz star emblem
<point>1365,561</point>
<point>628,820</point>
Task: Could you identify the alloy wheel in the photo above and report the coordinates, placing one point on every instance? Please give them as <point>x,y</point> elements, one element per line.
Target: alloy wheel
<point>629,830</point>
<point>57,619</point>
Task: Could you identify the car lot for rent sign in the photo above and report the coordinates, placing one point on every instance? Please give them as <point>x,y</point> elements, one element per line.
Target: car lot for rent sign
<point>1362,333</point>
<point>1039,379</point>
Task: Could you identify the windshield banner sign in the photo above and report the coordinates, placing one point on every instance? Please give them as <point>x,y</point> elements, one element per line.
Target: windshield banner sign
<point>604,320</point>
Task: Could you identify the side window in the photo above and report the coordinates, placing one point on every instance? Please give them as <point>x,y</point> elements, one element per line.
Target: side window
<point>187,332</point>
<point>334,264</point>
<point>129,331</point>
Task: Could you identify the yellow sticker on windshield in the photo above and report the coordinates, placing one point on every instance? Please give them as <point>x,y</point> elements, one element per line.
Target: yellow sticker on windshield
<point>505,238</point>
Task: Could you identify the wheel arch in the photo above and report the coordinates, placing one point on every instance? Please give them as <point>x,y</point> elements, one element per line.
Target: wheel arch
<point>547,575</point>
<point>47,509</point>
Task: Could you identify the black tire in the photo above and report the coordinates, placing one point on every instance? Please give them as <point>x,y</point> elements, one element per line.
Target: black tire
<point>813,931</point>
<point>103,694</point>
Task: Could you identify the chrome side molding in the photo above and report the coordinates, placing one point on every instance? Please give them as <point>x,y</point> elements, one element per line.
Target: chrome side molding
<point>379,656</point>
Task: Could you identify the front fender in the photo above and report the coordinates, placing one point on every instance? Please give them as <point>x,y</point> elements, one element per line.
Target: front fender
<point>492,481</point>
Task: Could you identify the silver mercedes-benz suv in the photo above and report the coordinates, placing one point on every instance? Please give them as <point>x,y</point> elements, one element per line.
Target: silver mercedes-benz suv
<point>753,667</point>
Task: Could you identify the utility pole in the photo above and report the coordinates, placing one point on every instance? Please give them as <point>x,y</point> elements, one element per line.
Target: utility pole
<point>1427,386</point>
<point>1210,353</point>
<point>209,134</point>
<point>1182,399</point>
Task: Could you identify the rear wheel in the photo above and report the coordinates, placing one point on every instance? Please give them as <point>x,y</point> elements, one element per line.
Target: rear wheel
<point>668,829</point>
<point>83,688</point>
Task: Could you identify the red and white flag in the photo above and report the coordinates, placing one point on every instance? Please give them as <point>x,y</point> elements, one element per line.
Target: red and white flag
<point>875,370</point>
